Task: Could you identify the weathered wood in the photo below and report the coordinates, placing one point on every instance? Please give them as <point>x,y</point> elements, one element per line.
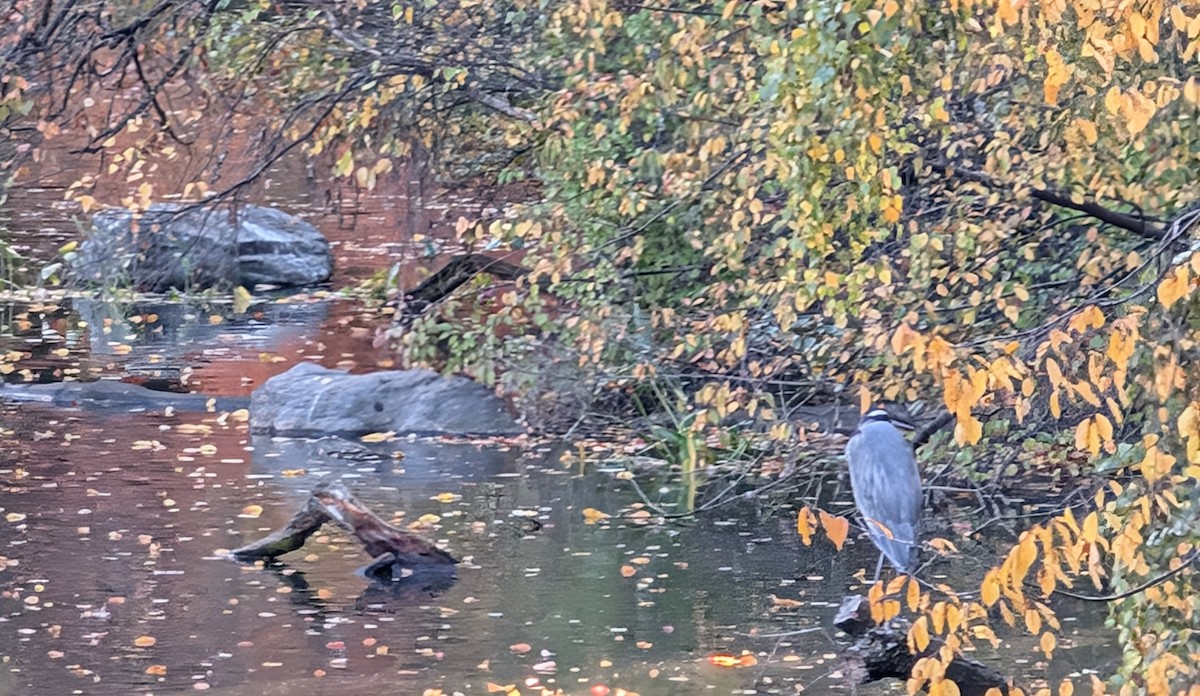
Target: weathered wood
<point>393,549</point>
<point>881,652</point>
<point>303,524</point>
<point>378,537</point>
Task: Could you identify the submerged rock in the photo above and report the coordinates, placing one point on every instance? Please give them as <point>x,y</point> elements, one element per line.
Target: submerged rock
<point>168,246</point>
<point>113,396</point>
<point>312,400</point>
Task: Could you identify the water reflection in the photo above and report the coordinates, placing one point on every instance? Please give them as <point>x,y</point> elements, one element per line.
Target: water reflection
<point>183,346</point>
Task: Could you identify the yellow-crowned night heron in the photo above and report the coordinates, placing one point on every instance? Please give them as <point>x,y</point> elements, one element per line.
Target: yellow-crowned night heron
<point>887,488</point>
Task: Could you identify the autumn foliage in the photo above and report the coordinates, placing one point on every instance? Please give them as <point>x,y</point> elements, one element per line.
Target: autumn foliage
<point>985,205</point>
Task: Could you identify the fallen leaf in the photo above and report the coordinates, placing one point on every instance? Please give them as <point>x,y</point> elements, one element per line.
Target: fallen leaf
<point>592,515</point>
<point>379,437</point>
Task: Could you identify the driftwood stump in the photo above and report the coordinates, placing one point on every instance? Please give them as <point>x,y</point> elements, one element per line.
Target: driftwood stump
<point>396,552</point>
<point>880,652</point>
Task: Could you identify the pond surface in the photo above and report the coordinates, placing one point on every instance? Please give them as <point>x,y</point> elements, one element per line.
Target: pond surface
<point>115,581</point>
<point>116,525</point>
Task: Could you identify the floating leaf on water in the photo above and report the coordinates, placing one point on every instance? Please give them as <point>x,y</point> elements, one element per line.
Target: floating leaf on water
<point>144,641</point>
<point>728,660</point>
<point>379,437</point>
<point>251,511</point>
<point>943,546</point>
<point>784,603</point>
<point>592,515</point>
<point>446,497</point>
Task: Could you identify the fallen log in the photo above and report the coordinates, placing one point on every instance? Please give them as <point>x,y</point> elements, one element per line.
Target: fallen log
<point>450,277</point>
<point>302,525</point>
<point>397,553</point>
<point>881,652</point>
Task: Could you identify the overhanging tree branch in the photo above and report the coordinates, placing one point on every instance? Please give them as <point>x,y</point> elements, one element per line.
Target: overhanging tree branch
<point>1137,224</point>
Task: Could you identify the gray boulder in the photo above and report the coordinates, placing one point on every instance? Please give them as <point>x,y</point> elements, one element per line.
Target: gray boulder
<point>170,246</point>
<point>310,400</point>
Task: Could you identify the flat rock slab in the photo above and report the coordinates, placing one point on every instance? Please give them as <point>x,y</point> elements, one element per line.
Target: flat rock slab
<point>108,395</point>
<point>310,400</point>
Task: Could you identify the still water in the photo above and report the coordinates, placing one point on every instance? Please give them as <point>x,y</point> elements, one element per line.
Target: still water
<point>115,580</point>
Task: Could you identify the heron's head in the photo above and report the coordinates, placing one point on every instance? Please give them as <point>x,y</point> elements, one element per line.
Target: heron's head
<point>889,413</point>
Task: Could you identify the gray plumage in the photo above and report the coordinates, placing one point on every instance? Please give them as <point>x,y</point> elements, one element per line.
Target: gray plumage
<point>887,488</point>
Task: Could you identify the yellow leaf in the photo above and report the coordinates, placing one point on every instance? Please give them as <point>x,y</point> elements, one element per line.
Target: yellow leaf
<point>1178,18</point>
<point>1137,110</point>
<point>379,437</point>
<point>1048,643</point>
<point>592,515</point>
<point>1033,621</point>
<point>968,430</point>
<point>1058,73</point>
<point>1137,24</point>
<point>1081,435</point>
<point>804,525</point>
<point>1091,528</point>
<point>1054,372</point>
<point>1089,317</point>
<point>904,338</point>
<point>913,595</point>
<point>989,591</point>
<point>730,8</point>
<point>918,635</point>
<point>1174,287</point>
<point>836,528</point>
<point>943,546</point>
<point>1026,554</point>
<point>1088,130</point>
<point>865,399</point>
<point>1191,90</point>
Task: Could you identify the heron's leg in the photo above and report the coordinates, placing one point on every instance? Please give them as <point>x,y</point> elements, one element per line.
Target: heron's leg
<point>878,567</point>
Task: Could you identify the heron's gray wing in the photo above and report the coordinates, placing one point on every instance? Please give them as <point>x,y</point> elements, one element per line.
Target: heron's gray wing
<point>887,490</point>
